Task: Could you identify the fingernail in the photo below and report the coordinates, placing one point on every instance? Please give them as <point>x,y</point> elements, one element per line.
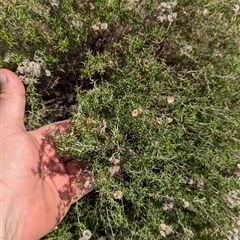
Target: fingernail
<point>3,78</point>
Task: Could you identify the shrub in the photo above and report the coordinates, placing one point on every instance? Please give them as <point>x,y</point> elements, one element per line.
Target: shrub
<point>158,96</point>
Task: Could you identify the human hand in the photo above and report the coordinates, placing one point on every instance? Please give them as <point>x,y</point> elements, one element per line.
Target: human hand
<point>36,186</point>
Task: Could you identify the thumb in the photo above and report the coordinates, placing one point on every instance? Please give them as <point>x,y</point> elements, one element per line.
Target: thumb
<point>12,103</point>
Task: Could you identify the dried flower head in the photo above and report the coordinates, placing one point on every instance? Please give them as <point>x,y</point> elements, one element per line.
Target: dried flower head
<point>159,121</point>
<point>114,170</point>
<point>8,56</point>
<point>99,26</point>
<point>171,16</point>
<point>103,126</point>
<point>205,12</point>
<point>232,199</point>
<point>189,233</point>
<point>236,9</point>
<point>154,143</point>
<point>170,99</point>
<point>76,23</point>
<point>144,61</point>
<point>32,70</point>
<point>200,184</point>
<point>186,204</point>
<point>95,27</point>
<point>169,120</point>
<point>164,229</point>
<point>87,234</point>
<point>164,12</point>
<point>188,180</point>
<point>118,195</point>
<point>233,235</point>
<point>90,180</point>
<point>136,112</point>
<point>47,73</point>
<point>168,204</point>
<point>54,3</point>
<point>186,49</point>
<point>104,26</point>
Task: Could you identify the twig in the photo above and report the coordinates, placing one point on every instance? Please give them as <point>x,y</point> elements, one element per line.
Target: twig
<point>109,223</point>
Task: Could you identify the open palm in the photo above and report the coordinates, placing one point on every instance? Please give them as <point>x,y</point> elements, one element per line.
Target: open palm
<point>37,185</point>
